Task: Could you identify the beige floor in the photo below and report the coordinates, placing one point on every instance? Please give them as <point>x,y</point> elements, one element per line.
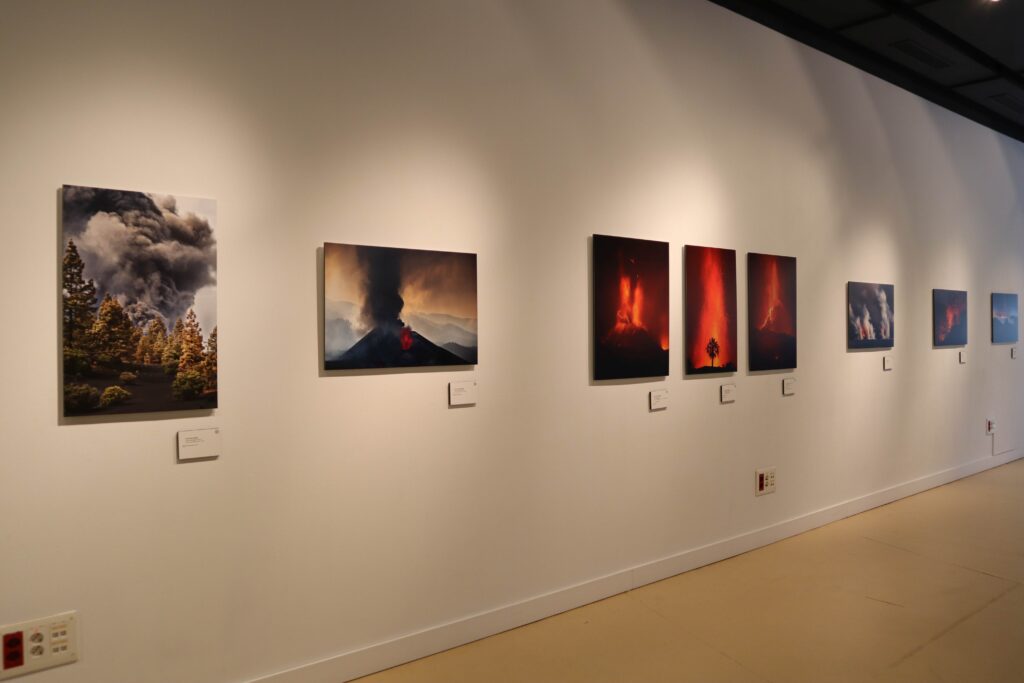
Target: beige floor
<point>925,589</point>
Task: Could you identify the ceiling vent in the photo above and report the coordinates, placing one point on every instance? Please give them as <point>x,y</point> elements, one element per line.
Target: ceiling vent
<point>920,53</point>
<point>1010,102</point>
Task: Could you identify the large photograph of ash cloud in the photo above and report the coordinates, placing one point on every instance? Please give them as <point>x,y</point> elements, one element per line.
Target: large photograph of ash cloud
<point>630,308</point>
<point>393,308</point>
<point>870,315</point>
<point>139,285</point>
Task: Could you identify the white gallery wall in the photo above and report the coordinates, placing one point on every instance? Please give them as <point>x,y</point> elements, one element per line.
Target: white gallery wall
<point>351,510</point>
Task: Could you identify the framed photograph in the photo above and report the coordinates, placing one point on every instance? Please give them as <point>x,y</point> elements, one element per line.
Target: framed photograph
<point>139,299</point>
<point>710,310</point>
<point>397,308</point>
<point>771,311</point>
<point>870,316</point>
<point>1004,318</point>
<point>630,308</point>
<point>949,317</point>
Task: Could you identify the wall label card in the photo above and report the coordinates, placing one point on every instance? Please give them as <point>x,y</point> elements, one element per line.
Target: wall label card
<point>788,386</point>
<point>199,444</point>
<point>963,358</point>
<point>462,393</point>
<point>1013,352</point>
<point>658,399</point>
<point>886,363</point>
<point>727,393</point>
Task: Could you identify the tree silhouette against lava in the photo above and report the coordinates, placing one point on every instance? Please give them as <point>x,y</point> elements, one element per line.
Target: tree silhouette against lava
<point>712,349</point>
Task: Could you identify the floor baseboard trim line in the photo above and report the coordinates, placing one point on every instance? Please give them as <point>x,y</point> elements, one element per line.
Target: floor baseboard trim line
<point>349,665</point>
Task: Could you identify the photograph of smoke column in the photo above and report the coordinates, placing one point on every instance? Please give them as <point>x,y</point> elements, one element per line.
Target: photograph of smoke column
<point>710,310</point>
<point>393,308</point>
<point>949,317</point>
<point>1004,318</point>
<point>771,310</point>
<point>630,308</point>
<point>139,290</point>
<point>870,316</point>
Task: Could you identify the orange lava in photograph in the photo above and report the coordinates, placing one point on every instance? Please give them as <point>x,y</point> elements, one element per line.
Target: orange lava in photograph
<point>771,313</point>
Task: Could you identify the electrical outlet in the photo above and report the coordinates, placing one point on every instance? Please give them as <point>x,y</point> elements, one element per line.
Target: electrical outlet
<point>39,644</point>
<point>990,426</point>
<point>764,481</point>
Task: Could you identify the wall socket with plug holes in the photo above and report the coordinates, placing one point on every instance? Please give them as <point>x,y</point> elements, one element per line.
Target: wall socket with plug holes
<point>39,644</point>
<point>764,481</point>
<point>990,426</point>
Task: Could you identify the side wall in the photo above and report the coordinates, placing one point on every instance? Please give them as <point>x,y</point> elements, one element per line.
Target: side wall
<point>349,511</point>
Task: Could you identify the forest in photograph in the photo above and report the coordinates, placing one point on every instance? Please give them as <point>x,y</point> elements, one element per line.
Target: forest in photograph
<point>138,290</point>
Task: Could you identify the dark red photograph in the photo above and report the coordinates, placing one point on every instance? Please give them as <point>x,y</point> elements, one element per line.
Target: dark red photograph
<point>771,306</point>
<point>710,310</point>
<point>630,308</point>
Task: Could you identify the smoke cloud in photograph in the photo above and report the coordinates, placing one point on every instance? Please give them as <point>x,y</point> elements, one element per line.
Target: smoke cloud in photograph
<point>388,307</point>
<point>156,254</point>
<point>870,315</point>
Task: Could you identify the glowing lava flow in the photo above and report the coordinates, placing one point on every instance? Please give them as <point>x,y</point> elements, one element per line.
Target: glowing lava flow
<point>629,317</point>
<point>952,319</point>
<point>714,315</point>
<point>405,338</point>
<point>775,317</point>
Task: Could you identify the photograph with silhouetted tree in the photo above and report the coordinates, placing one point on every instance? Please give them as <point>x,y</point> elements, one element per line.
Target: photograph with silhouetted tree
<point>710,297</point>
<point>139,277</point>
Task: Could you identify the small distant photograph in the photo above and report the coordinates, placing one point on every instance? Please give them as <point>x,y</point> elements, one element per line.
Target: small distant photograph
<point>949,317</point>
<point>870,316</point>
<point>630,308</point>
<point>771,311</point>
<point>398,308</point>
<point>139,300</point>
<point>710,310</point>
<point>1004,318</point>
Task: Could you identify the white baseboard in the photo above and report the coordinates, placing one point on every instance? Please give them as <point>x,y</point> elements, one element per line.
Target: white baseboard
<point>366,660</point>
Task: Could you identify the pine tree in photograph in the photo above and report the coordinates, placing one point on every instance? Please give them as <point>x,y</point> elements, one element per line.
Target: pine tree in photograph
<point>79,297</point>
<point>150,350</point>
<point>210,362</point>
<point>191,379</point>
<point>112,333</point>
<point>172,349</point>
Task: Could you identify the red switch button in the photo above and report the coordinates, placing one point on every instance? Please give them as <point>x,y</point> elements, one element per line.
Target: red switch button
<point>14,650</point>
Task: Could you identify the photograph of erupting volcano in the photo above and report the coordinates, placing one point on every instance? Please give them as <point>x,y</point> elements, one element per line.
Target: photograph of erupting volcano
<point>139,302</point>
<point>870,316</point>
<point>771,311</point>
<point>1004,318</point>
<point>949,317</point>
<point>398,308</point>
<point>630,308</point>
<point>710,310</point>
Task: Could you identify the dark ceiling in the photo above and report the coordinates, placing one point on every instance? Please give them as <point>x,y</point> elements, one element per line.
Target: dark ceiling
<point>966,55</point>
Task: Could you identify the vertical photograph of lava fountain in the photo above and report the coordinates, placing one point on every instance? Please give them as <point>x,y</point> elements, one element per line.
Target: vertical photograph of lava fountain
<point>949,317</point>
<point>1004,318</point>
<point>870,316</point>
<point>393,308</point>
<point>630,308</point>
<point>771,311</point>
<point>710,310</point>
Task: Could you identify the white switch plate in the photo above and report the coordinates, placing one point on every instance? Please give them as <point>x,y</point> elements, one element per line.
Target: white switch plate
<point>658,399</point>
<point>462,393</point>
<point>727,393</point>
<point>886,363</point>
<point>788,386</point>
<point>45,643</point>
<point>764,481</point>
<point>199,444</point>
<point>963,358</point>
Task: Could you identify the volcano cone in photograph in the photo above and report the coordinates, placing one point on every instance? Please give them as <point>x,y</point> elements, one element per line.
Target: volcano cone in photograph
<point>383,348</point>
